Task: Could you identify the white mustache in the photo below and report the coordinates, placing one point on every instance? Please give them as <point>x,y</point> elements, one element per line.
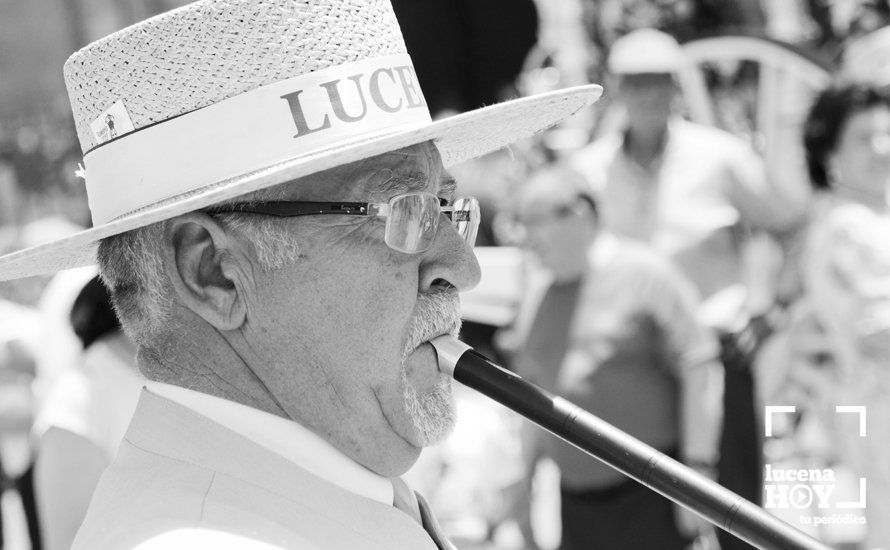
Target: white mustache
<point>438,313</point>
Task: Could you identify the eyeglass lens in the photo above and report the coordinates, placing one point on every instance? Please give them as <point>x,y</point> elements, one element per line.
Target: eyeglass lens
<point>412,223</point>
<point>466,218</point>
<point>414,220</point>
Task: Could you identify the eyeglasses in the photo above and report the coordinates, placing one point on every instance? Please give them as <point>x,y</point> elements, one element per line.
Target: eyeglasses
<point>412,219</point>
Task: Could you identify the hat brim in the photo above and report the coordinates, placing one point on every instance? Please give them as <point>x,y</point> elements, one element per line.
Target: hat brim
<point>458,138</point>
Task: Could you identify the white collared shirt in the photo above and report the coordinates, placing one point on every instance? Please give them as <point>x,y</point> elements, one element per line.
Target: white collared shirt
<point>285,438</point>
<point>692,202</point>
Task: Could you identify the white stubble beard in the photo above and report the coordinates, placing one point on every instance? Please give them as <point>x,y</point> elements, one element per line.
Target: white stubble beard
<point>434,413</point>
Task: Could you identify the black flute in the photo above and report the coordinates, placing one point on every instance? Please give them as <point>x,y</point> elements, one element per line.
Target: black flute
<point>621,451</point>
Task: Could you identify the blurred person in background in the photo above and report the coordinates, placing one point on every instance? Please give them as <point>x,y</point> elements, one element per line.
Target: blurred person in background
<point>84,417</point>
<point>688,190</point>
<point>27,346</point>
<point>693,193</point>
<point>616,333</point>
<point>841,331</point>
<point>21,336</point>
<point>29,356</point>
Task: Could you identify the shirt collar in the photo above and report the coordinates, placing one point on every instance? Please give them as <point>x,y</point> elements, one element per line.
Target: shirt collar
<point>285,438</point>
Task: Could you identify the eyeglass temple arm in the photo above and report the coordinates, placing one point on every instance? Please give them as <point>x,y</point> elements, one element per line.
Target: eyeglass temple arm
<point>287,209</point>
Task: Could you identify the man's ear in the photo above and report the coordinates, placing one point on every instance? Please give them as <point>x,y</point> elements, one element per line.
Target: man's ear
<point>209,268</point>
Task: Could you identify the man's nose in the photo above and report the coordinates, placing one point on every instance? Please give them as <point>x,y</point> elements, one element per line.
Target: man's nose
<point>449,262</point>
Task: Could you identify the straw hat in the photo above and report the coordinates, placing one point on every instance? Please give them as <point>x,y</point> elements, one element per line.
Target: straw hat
<point>645,51</point>
<point>224,97</point>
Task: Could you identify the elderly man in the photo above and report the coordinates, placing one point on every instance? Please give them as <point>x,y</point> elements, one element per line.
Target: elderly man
<point>281,239</point>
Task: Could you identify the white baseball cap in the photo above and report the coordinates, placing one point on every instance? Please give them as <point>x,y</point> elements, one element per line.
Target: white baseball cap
<point>645,51</point>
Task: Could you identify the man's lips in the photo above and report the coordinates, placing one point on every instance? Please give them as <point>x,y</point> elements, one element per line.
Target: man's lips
<point>426,349</point>
<point>426,354</point>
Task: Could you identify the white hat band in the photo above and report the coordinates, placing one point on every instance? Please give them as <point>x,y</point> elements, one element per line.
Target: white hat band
<point>248,132</point>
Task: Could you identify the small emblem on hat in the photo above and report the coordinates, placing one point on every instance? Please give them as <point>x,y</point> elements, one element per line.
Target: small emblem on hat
<point>109,122</point>
<point>112,123</point>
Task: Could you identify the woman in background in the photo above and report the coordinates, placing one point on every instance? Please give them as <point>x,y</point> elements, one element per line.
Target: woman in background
<point>840,340</point>
<point>84,418</point>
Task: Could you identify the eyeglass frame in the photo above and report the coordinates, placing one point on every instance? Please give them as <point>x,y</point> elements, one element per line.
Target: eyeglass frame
<point>290,209</point>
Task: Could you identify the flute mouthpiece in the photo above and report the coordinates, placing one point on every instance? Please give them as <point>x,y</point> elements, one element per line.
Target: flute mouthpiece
<point>448,350</point>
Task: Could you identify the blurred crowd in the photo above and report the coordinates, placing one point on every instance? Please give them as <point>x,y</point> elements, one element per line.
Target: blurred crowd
<point>673,273</point>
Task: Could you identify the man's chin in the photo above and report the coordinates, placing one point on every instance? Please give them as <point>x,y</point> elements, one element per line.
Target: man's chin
<point>429,438</point>
<point>433,413</point>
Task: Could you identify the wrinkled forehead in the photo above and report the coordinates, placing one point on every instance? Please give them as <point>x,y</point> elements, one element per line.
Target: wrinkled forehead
<point>412,169</point>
